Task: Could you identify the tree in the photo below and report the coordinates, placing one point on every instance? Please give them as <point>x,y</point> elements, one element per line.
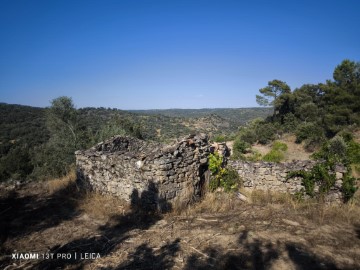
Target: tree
<point>271,93</point>
<point>347,74</point>
<point>61,119</point>
<point>54,158</point>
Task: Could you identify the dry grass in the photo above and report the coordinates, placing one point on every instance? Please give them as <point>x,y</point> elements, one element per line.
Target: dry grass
<point>316,211</point>
<point>270,197</point>
<point>93,204</point>
<point>102,207</point>
<point>57,184</point>
<point>216,202</point>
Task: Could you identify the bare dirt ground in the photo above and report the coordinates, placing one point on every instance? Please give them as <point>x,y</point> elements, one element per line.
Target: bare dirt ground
<point>221,232</point>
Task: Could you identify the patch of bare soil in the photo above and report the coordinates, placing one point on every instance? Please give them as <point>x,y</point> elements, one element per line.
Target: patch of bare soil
<point>221,232</point>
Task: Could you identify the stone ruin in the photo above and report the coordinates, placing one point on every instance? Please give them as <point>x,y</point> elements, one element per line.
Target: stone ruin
<point>270,176</point>
<point>164,175</point>
<point>160,176</point>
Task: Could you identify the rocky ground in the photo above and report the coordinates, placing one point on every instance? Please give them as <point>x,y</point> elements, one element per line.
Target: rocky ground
<point>221,232</point>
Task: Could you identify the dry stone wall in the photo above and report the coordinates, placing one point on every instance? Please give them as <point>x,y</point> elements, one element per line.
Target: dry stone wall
<point>146,173</point>
<point>272,176</point>
<point>158,176</point>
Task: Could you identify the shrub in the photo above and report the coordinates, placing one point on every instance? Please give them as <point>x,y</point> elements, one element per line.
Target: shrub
<point>348,187</point>
<point>219,138</point>
<point>240,147</point>
<point>255,156</point>
<point>248,135</point>
<point>321,173</point>
<point>309,131</point>
<point>265,133</point>
<point>353,152</point>
<point>226,178</point>
<point>277,152</point>
<point>230,180</point>
<point>274,156</point>
<point>332,152</point>
<point>337,148</point>
<point>215,162</point>
<point>279,146</point>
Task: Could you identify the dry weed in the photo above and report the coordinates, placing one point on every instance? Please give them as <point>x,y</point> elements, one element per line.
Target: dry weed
<point>213,202</point>
<point>57,184</point>
<point>270,197</point>
<point>99,206</point>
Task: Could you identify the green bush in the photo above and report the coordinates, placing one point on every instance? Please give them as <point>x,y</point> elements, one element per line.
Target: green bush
<point>279,146</point>
<point>337,148</point>
<point>230,180</point>
<point>353,152</point>
<point>255,156</point>
<point>309,131</point>
<point>265,133</point>
<point>220,177</point>
<point>333,152</point>
<point>274,156</point>
<point>215,162</point>
<point>248,135</point>
<point>276,153</point>
<point>348,187</point>
<point>321,173</point>
<point>240,147</point>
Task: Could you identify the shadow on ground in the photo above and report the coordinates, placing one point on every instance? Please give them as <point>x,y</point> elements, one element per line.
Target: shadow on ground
<point>22,215</point>
<point>145,211</point>
<point>251,254</point>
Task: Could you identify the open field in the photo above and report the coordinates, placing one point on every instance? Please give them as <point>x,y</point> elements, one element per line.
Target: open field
<point>271,231</point>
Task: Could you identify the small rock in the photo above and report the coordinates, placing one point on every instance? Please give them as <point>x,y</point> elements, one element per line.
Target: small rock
<point>290,222</point>
<point>241,197</point>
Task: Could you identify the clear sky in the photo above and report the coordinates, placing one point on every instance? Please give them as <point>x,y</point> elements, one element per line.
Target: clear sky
<point>149,54</point>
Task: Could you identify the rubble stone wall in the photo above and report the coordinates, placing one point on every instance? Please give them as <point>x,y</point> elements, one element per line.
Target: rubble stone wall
<point>150,173</point>
<point>272,176</point>
<point>159,176</point>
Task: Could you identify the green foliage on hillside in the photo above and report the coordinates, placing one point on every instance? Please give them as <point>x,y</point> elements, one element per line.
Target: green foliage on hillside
<point>21,129</point>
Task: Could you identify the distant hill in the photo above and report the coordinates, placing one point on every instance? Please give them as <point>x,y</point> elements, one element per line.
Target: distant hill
<point>237,116</point>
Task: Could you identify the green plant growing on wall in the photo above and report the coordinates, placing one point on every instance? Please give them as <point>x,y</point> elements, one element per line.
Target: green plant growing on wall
<point>221,177</point>
<point>333,152</point>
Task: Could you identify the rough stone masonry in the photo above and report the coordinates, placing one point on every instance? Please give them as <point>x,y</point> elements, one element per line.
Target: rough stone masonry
<point>271,176</point>
<point>163,176</point>
<point>146,173</point>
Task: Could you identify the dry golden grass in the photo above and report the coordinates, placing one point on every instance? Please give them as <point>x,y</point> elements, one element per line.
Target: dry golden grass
<point>213,202</point>
<point>316,211</point>
<point>102,207</point>
<point>269,197</point>
<point>281,203</point>
<point>93,204</point>
<point>57,184</point>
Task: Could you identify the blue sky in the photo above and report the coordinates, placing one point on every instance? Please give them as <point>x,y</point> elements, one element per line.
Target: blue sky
<point>146,54</point>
